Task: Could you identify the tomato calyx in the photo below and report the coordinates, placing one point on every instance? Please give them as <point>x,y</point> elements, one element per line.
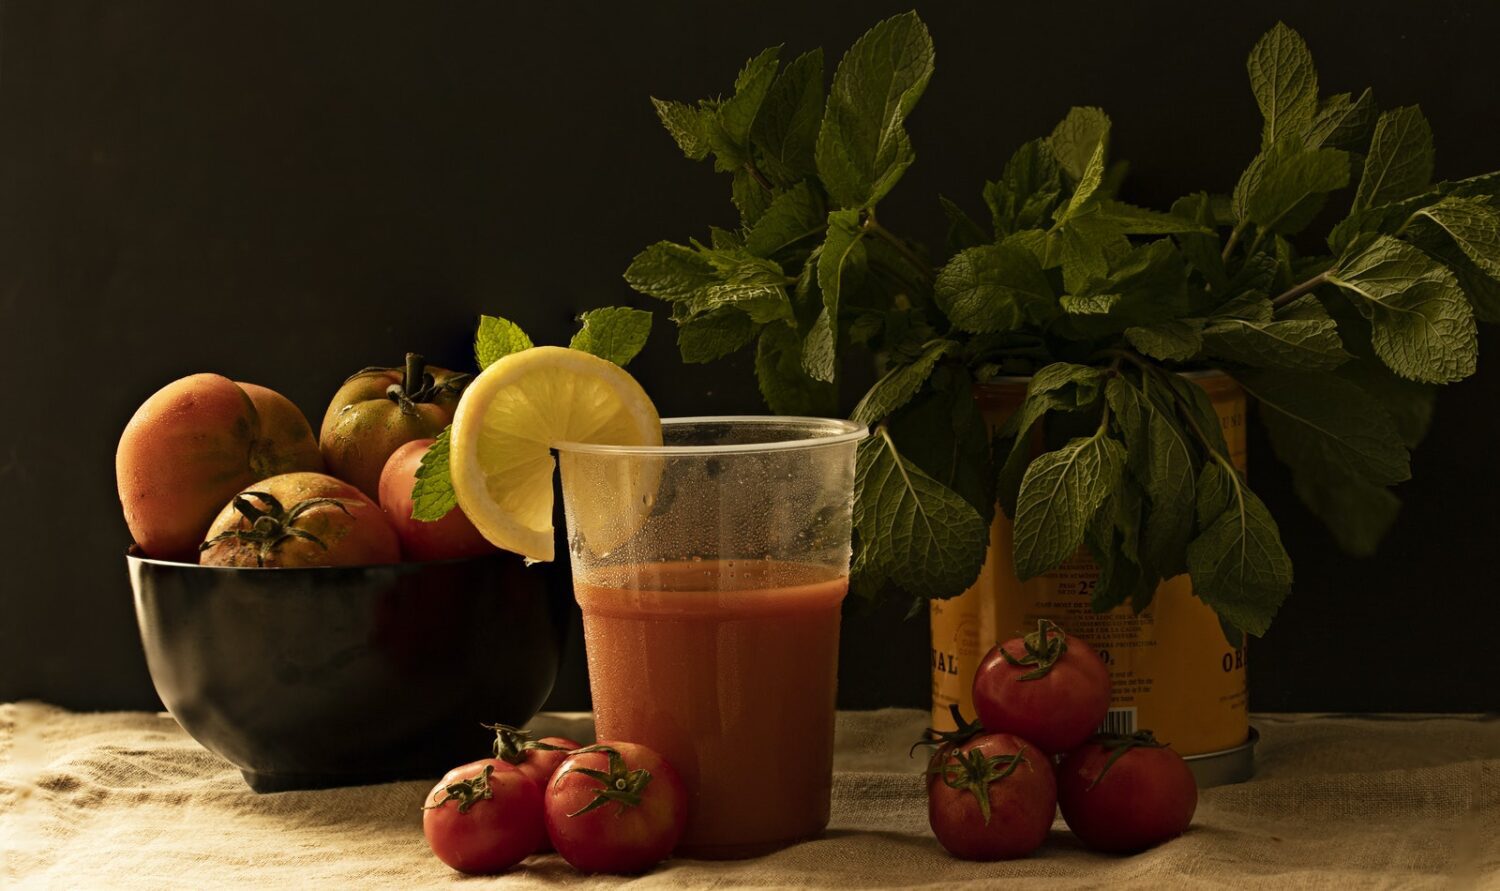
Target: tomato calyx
<point>466,792</point>
<point>512,743</point>
<point>973,771</point>
<point>1117,744</point>
<point>619,785</point>
<point>964,730</point>
<point>1043,649</point>
<point>272,524</point>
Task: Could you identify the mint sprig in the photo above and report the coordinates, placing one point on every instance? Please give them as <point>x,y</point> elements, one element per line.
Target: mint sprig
<point>1105,305</point>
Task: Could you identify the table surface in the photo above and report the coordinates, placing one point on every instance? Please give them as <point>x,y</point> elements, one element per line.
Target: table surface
<point>127,799</point>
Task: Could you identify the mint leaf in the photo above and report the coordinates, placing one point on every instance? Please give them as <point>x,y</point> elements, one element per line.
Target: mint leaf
<point>1343,124</point>
<point>1358,513</point>
<point>1027,191</point>
<point>1320,420</point>
<point>942,432</point>
<point>729,127</point>
<point>841,263</point>
<point>1422,327</point>
<point>963,232</point>
<point>1088,184</point>
<point>687,125</point>
<point>750,198</point>
<point>1399,164</point>
<point>793,217</point>
<point>1482,290</point>
<point>783,384</point>
<point>432,495</point>
<point>929,539</point>
<point>714,335</point>
<point>1275,188</point>
<point>1133,220</point>
<point>1089,304</point>
<point>992,288</point>
<point>862,147</point>
<point>755,285</point>
<point>616,333</point>
<point>1285,84</point>
<point>1176,340</point>
<point>670,272</point>
<point>1295,344</point>
<point>1076,139</point>
<point>1474,227</point>
<point>786,129</point>
<point>1202,250</point>
<point>1060,386</point>
<point>897,386</point>
<point>496,339</point>
<point>1161,459</point>
<point>1238,565</point>
<point>1059,495</point>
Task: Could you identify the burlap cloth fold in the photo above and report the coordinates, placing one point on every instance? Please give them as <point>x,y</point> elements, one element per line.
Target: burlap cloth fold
<point>128,800</point>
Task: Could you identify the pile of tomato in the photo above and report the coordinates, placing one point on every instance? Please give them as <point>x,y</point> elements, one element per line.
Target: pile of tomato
<point>613,807</point>
<point>995,784</point>
<point>228,473</point>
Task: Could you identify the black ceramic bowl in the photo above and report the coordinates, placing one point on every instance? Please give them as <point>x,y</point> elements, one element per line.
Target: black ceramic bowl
<point>331,676</point>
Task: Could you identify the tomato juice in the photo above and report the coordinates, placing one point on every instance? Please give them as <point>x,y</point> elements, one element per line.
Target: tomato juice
<point>728,668</point>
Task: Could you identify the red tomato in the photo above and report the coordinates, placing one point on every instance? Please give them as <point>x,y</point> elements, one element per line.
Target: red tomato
<point>483,817</point>
<point>1047,687</point>
<point>378,410</point>
<point>300,519</point>
<point>992,798</point>
<point>615,807</point>
<point>451,537</point>
<point>1126,793</point>
<point>536,758</point>
<point>195,443</point>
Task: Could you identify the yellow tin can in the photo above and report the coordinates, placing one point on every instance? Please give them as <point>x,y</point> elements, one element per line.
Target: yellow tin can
<point>1172,669</point>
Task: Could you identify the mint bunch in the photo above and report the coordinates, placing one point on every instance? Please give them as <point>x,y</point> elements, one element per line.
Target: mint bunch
<point>1105,305</point>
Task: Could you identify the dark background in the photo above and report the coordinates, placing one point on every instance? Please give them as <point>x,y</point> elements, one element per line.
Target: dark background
<point>286,192</point>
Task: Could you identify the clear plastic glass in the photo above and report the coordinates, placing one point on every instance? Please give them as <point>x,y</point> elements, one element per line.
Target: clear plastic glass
<point>710,572</point>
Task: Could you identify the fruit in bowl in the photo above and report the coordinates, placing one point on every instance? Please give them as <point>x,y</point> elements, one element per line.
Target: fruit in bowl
<point>378,410</point>
<point>300,519</point>
<point>446,538</point>
<point>195,443</point>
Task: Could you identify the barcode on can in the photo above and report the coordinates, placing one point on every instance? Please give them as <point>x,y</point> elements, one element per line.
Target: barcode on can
<point>1119,720</point>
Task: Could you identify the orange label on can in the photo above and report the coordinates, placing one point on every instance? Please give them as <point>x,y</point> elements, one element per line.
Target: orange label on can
<point>1172,670</point>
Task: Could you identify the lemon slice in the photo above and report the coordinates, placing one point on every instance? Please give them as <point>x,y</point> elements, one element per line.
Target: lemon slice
<point>509,417</point>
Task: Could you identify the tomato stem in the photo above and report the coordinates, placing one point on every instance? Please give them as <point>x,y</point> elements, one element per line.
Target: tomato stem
<point>618,785</point>
<point>271,525</point>
<point>974,771</point>
<point>1042,650</point>
<point>512,743</point>
<point>1117,744</point>
<point>466,792</point>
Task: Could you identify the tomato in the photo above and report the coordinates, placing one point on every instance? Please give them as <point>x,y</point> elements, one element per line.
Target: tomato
<point>483,817</point>
<point>191,446</point>
<point>992,798</point>
<point>300,519</point>
<point>536,758</point>
<point>615,807</point>
<point>1047,687</point>
<point>1126,793</point>
<point>378,410</point>
<point>451,537</point>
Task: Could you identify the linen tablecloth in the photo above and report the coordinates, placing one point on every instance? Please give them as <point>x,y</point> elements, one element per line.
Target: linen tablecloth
<point>128,800</point>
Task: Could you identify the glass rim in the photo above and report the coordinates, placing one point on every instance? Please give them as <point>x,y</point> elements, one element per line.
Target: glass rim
<point>821,432</point>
